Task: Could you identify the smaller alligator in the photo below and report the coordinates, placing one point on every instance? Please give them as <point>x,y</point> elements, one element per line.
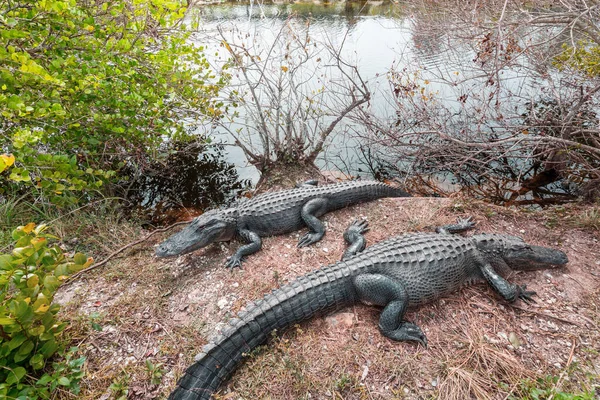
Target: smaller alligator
<point>272,214</point>
<point>401,272</point>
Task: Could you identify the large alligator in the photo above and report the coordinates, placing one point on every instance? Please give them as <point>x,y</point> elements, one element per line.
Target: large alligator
<point>398,273</point>
<point>272,214</point>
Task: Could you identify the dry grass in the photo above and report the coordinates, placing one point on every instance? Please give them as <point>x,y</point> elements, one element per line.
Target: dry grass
<point>164,311</point>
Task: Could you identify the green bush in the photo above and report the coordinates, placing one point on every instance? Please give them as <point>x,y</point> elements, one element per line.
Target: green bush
<point>29,331</point>
<point>584,57</point>
<point>88,86</point>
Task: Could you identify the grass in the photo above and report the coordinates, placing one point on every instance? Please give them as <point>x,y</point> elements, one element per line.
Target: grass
<point>589,219</point>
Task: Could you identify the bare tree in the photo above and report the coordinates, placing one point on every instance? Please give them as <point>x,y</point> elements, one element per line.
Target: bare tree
<point>519,122</point>
<point>287,98</point>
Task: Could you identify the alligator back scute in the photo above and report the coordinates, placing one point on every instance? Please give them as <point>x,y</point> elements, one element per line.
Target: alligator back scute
<point>279,212</point>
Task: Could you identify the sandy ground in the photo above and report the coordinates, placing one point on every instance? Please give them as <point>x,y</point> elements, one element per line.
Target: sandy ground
<point>140,320</point>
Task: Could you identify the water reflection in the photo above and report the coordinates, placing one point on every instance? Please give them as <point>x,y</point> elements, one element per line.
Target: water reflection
<point>192,179</point>
<point>380,37</point>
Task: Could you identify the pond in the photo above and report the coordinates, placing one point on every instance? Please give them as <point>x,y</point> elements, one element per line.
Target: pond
<point>382,39</point>
<point>377,36</point>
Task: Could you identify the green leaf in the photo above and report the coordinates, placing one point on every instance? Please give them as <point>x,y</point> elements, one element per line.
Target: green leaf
<point>37,361</point>
<point>16,341</point>
<point>64,381</point>
<point>49,348</point>
<point>80,258</point>
<point>44,380</point>
<point>26,348</point>
<point>6,321</point>
<point>15,375</point>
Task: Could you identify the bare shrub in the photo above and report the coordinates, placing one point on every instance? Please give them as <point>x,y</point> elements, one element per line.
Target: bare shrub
<point>288,96</point>
<point>511,120</point>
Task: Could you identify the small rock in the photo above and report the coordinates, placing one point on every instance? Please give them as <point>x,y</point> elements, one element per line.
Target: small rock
<point>325,249</point>
<point>514,340</point>
<point>521,230</point>
<point>434,382</point>
<point>346,319</point>
<point>364,373</point>
<point>222,303</point>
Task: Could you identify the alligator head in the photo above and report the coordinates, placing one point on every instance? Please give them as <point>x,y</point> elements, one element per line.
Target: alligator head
<point>517,254</point>
<point>212,226</point>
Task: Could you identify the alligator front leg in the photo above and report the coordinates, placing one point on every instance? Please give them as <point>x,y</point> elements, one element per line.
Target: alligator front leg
<point>354,238</point>
<point>254,245</point>
<point>509,291</point>
<point>380,290</point>
<point>461,225</point>
<point>316,228</point>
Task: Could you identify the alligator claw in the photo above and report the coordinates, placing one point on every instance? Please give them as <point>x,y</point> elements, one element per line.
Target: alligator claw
<point>233,262</point>
<point>309,239</point>
<point>358,226</point>
<point>466,223</point>
<point>525,295</point>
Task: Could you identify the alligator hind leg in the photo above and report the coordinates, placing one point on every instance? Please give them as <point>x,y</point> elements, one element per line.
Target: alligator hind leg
<point>381,290</point>
<point>354,237</point>
<point>254,245</point>
<point>310,211</point>
<point>309,183</point>
<point>461,225</point>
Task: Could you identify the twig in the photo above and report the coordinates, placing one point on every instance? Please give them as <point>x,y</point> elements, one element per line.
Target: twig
<point>546,315</point>
<point>107,259</point>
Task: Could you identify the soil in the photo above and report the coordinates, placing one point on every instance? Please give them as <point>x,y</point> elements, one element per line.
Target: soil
<point>140,320</point>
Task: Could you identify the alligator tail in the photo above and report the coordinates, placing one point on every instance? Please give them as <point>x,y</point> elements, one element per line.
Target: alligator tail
<point>316,293</point>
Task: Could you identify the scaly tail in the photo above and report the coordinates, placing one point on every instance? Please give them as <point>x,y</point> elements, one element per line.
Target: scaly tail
<point>315,293</point>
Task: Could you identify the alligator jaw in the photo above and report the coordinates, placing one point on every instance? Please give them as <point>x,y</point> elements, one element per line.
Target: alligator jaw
<point>537,257</point>
<point>203,231</point>
<point>182,243</point>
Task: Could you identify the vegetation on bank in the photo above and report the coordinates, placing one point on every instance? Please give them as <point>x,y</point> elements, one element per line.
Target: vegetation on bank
<point>30,333</point>
<point>87,87</point>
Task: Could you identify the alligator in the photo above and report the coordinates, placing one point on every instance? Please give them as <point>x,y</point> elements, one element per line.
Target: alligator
<point>272,214</point>
<point>400,272</point>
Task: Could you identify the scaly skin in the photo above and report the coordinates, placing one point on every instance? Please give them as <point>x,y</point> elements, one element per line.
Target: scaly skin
<point>274,214</point>
<point>401,272</point>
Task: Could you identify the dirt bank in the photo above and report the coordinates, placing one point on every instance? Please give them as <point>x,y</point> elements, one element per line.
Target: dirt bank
<point>141,308</point>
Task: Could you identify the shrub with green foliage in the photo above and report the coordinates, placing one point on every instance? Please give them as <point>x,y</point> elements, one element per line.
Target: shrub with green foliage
<point>584,57</point>
<point>86,86</point>
<point>29,331</point>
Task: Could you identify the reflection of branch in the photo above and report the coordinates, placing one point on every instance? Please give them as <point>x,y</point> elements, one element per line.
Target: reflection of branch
<point>524,138</point>
<point>295,94</point>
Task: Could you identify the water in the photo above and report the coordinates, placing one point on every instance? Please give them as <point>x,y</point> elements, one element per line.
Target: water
<point>194,178</point>
<point>378,37</point>
<point>374,34</point>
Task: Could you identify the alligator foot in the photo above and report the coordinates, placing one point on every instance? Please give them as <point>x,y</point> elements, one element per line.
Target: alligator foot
<point>354,237</point>
<point>525,295</point>
<point>310,238</point>
<point>461,225</point>
<point>233,262</point>
<point>357,227</point>
<point>406,331</point>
